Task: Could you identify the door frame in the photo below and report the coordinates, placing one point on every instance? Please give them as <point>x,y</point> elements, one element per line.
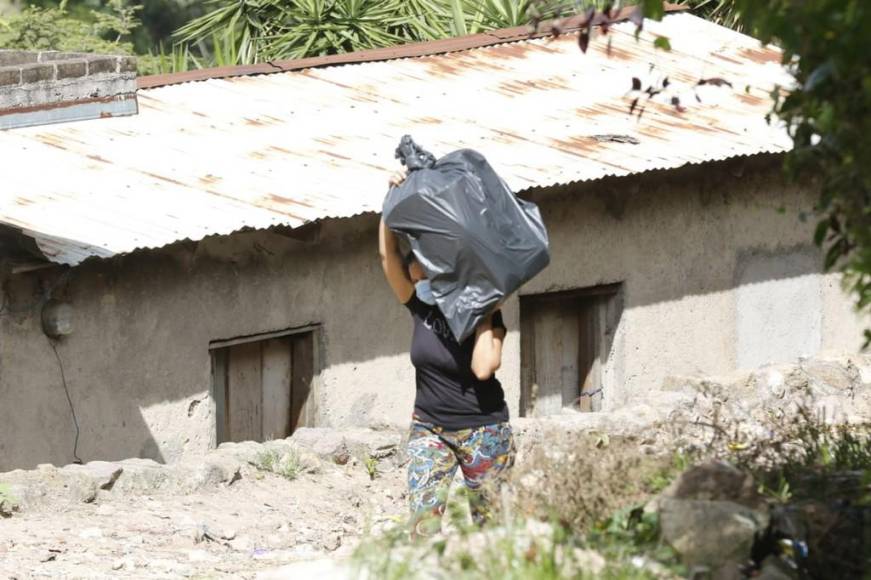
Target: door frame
<point>218,372</point>
<point>528,303</point>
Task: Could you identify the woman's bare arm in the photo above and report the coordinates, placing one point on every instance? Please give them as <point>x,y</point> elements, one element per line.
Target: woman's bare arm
<point>487,353</point>
<point>391,263</point>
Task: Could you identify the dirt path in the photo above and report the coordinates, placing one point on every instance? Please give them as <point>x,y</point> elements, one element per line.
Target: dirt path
<point>259,522</point>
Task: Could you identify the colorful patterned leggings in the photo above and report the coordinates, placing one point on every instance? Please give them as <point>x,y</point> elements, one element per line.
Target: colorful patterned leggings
<point>484,454</point>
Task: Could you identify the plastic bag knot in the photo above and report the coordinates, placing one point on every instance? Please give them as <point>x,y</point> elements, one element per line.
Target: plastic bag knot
<point>414,156</point>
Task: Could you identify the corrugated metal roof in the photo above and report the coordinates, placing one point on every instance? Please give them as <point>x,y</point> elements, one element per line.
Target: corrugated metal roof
<point>216,156</point>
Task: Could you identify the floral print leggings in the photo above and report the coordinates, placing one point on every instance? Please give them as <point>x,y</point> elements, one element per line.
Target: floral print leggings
<point>484,454</point>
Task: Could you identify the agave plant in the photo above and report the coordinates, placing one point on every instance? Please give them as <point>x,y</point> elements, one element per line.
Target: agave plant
<point>248,31</point>
<point>723,12</point>
<point>276,29</point>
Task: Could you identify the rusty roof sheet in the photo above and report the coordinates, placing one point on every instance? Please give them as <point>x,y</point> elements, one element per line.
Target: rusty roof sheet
<point>216,156</point>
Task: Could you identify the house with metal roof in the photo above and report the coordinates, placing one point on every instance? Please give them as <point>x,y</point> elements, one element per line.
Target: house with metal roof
<point>200,265</point>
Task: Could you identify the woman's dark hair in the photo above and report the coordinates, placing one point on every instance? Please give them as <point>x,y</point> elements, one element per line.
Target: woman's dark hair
<point>408,258</point>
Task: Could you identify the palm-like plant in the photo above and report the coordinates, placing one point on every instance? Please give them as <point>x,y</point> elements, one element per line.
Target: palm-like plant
<point>276,29</point>
<point>723,12</point>
<point>260,30</point>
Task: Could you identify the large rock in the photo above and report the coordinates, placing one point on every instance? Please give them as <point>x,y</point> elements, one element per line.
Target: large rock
<point>715,481</point>
<point>141,476</point>
<point>710,533</point>
<point>73,483</point>
<point>84,481</point>
<point>712,515</point>
<point>329,444</point>
<point>213,471</point>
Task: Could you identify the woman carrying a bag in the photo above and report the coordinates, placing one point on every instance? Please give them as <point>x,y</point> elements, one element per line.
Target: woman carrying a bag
<point>460,417</point>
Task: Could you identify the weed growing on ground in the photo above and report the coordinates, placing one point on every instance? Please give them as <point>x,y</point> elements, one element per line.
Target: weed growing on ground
<point>631,533</point>
<point>519,549</point>
<point>287,465</point>
<point>371,464</point>
<point>8,502</point>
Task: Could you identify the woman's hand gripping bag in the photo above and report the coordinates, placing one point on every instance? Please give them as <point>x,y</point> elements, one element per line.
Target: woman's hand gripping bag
<point>477,241</point>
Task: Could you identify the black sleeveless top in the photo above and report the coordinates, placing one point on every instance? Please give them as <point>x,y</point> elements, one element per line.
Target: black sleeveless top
<point>448,393</point>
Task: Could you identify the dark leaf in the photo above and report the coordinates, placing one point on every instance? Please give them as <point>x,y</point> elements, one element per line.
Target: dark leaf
<point>633,105</point>
<point>589,16</point>
<point>584,40</point>
<point>835,224</point>
<point>835,253</point>
<point>820,232</point>
<point>588,25</point>
<point>665,82</point>
<point>675,101</point>
<point>636,84</point>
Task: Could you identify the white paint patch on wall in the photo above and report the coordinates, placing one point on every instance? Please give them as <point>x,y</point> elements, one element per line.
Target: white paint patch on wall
<point>779,307</point>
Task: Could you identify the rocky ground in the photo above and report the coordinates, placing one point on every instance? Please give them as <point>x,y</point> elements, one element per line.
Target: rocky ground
<point>293,508</point>
<point>220,516</point>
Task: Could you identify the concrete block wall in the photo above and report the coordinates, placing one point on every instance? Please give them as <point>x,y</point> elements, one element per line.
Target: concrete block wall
<point>41,87</point>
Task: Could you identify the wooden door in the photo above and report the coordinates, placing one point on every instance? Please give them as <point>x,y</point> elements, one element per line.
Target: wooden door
<point>277,365</point>
<point>563,348</point>
<point>244,388</point>
<point>263,388</point>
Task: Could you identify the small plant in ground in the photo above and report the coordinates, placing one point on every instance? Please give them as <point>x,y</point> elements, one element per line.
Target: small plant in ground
<point>371,464</point>
<point>780,493</point>
<point>632,534</point>
<point>266,460</point>
<point>288,465</point>
<point>8,502</point>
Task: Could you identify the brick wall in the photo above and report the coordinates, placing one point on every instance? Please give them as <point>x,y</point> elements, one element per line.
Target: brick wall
<point>49,86</point>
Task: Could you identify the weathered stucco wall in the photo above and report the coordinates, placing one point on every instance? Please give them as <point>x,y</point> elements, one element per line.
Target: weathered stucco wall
<point>716,267</point>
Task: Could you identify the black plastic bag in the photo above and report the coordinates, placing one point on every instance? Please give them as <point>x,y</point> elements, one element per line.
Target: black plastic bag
<point>475,239</point>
